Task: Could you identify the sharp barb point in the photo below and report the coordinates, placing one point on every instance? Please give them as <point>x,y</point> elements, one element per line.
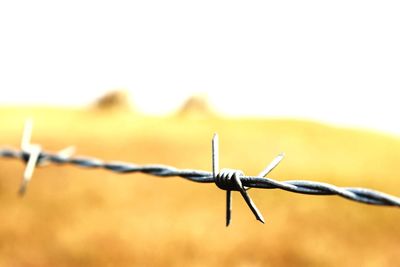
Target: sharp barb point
<point>67,152</point>
<point>22,190</point>
<point>30,167</point>
<point>248,200</point>
<point>27,135</point>
<point>215,155</point>
<point>228,207</point>
<point>272,165</point>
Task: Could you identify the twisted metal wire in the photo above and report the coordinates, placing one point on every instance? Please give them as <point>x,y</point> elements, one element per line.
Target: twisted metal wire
<point>362,195</point>
<point>227,179</point>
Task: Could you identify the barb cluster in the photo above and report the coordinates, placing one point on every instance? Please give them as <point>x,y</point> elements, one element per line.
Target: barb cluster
<point>226,179</point>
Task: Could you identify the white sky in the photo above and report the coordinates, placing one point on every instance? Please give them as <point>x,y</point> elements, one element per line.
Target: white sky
<point>335,61</point>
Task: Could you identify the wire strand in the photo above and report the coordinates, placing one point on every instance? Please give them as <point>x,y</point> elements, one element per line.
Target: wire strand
<point>362,195</point>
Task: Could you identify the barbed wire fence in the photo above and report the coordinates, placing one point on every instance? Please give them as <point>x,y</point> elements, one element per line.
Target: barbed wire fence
<point>226,179</point>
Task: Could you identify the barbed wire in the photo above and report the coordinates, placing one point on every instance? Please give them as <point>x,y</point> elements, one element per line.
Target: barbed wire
<point>226,179</point>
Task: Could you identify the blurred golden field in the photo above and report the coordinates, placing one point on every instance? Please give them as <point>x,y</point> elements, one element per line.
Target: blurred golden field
<point>78,217</point>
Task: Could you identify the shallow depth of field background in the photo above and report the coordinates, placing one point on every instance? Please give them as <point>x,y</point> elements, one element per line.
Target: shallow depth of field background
<point>317,80</point>
<point>78,217</point>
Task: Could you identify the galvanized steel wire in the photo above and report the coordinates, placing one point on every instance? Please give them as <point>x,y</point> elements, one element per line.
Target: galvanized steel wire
<point>362,195</point>
<point>226,179</point>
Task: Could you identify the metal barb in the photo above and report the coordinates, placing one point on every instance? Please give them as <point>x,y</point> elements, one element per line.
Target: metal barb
<point>30,167</point>
<point>215,155</point>
<point>228,207</point>
<point>248,200</point>
<point>229,180</point>
<point>215,171</point>
<point>272,165</point>
<point>33,156</point>
<point>27,135</point>
<point>67,152</point>
<point>33,152</point>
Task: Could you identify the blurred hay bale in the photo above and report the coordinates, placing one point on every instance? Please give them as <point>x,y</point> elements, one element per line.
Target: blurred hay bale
<point>196,106</point>
<point>116,100</point>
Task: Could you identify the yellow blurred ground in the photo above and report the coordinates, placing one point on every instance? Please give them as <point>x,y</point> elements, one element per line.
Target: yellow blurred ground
<point>78,217</point>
